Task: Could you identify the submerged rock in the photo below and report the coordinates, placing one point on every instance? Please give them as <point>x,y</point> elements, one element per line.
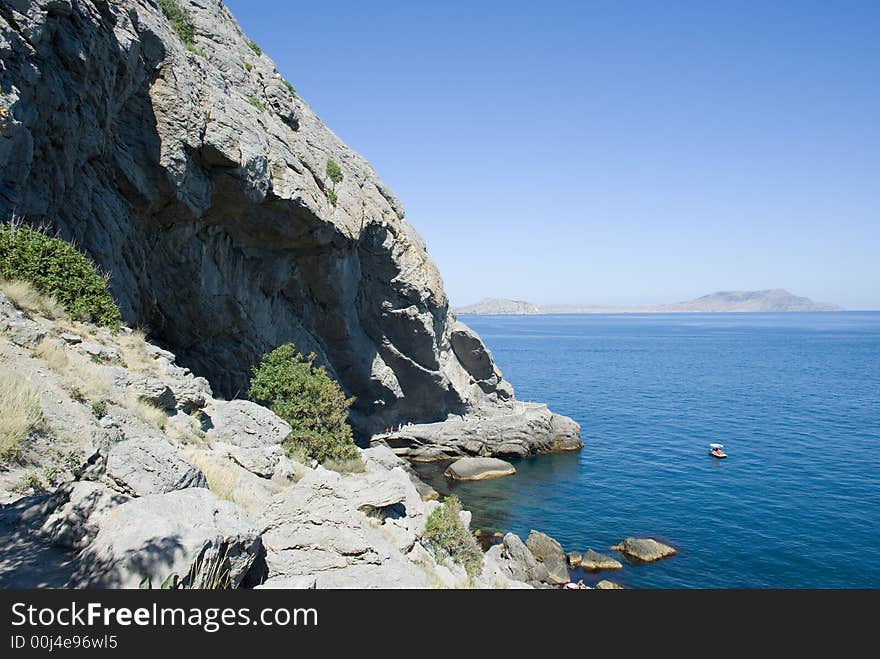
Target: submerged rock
<point>593,560</point>
<point>477,469</point>
<point>644,549</point>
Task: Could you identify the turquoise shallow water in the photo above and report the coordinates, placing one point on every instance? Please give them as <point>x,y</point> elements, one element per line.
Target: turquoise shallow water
<point>795,399</point>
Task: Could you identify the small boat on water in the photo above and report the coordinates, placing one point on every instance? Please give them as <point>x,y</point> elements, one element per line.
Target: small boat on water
<point>717,451</point>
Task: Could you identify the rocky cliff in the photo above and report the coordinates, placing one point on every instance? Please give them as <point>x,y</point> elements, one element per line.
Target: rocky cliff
<point>191,171</point>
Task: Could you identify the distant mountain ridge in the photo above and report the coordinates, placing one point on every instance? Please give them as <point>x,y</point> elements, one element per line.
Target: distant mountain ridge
<point>767,301</point>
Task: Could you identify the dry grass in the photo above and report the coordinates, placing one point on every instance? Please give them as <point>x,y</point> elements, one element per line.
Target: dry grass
<point>28,299</point>
<point>146,412</point>
<point>79,372</point>
<point>20,413</point>
<point>134,351</point>
<point>349,466</point>
<point>223,475</point>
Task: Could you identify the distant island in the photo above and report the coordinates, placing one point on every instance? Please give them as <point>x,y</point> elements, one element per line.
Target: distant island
<point>769,301</point>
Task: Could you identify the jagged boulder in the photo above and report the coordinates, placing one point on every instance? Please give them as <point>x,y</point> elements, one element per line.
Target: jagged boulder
<point>150,465</point>
<point>550,553</point>
<point>517,562</point>
<point>190,533</point>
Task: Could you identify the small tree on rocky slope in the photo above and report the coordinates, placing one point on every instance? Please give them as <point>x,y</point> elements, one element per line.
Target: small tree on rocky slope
<point>309,400</point>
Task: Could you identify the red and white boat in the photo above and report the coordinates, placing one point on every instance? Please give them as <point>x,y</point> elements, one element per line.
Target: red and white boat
<point>717,451</point>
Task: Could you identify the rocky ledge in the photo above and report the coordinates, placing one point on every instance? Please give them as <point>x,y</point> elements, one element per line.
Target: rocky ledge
<point>517,430</point>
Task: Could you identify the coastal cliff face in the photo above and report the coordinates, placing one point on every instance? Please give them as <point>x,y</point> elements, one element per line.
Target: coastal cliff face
<point>199,180</point>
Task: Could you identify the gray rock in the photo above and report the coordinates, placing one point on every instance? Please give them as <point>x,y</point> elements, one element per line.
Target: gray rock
<point>644,549</point>
<point>73,513</point>
<point>477,469</point>
<point>315,529</point>
<point>593,560</point>
<point>549,552</point>
<point>245,424</point>
<point>213,218</point>
<point>517,430</point>
<point>190,533</point>
<point>608,585</point>
<point>518,562</point>
<point>152,390</point>
<point>573,558</point>
<point>142,466</point>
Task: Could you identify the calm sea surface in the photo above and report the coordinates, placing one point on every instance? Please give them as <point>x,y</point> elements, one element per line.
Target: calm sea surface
<point>795,399</point>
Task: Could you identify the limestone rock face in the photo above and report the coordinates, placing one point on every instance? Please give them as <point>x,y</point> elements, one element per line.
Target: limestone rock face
<point>198,180</point>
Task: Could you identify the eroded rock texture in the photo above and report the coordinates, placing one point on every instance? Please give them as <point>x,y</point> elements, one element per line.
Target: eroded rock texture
<point>199,180</point>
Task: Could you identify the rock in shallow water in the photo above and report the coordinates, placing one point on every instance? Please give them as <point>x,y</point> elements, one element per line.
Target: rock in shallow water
<point>644,549</point>
<point>608,585</point>
<point>550,553</point>
<point>593,560</point>
<point>477,469</point>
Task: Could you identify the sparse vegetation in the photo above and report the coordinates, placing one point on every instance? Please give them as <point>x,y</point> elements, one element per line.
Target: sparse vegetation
<point>133,347</point>
<point>332,196</point>
<point>257,103</point>
<point>57,270</point>
<point>30,483</point>
<point>77,370</point>
<point>181,23</point>
<point>248,66</point>
<point>146,412</point>
<point>20,413</point>
<point>445,531</point>
<point>307,398</point>
<point>28,299</point>
<point>99,409</point>
<point>334,171</point>
<point>347,466</point>
<point>289,87</point>
<point>254,47</point>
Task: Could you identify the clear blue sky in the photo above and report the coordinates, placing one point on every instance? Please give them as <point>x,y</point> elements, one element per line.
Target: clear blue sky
<point>609,152</point>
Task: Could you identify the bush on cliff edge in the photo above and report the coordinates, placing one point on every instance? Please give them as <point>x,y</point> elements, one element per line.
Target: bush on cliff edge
<point>57,269</point>
<point>445,531</point>
<point>309,400</point>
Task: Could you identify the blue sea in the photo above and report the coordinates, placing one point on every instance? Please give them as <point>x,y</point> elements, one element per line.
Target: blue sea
<point>794,398</point>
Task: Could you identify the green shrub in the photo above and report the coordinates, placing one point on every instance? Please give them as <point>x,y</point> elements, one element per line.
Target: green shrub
<point>257,103</point>
<point>57,269</point>
<point>444,530</point>
<point>99,409</point>
<point>254,47</point>
<point>332,196</point>
<point>333,171</point>
<point>289,87</point>
<point>181,23</point>
<point>309,400</point>
<point>248,67</point>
